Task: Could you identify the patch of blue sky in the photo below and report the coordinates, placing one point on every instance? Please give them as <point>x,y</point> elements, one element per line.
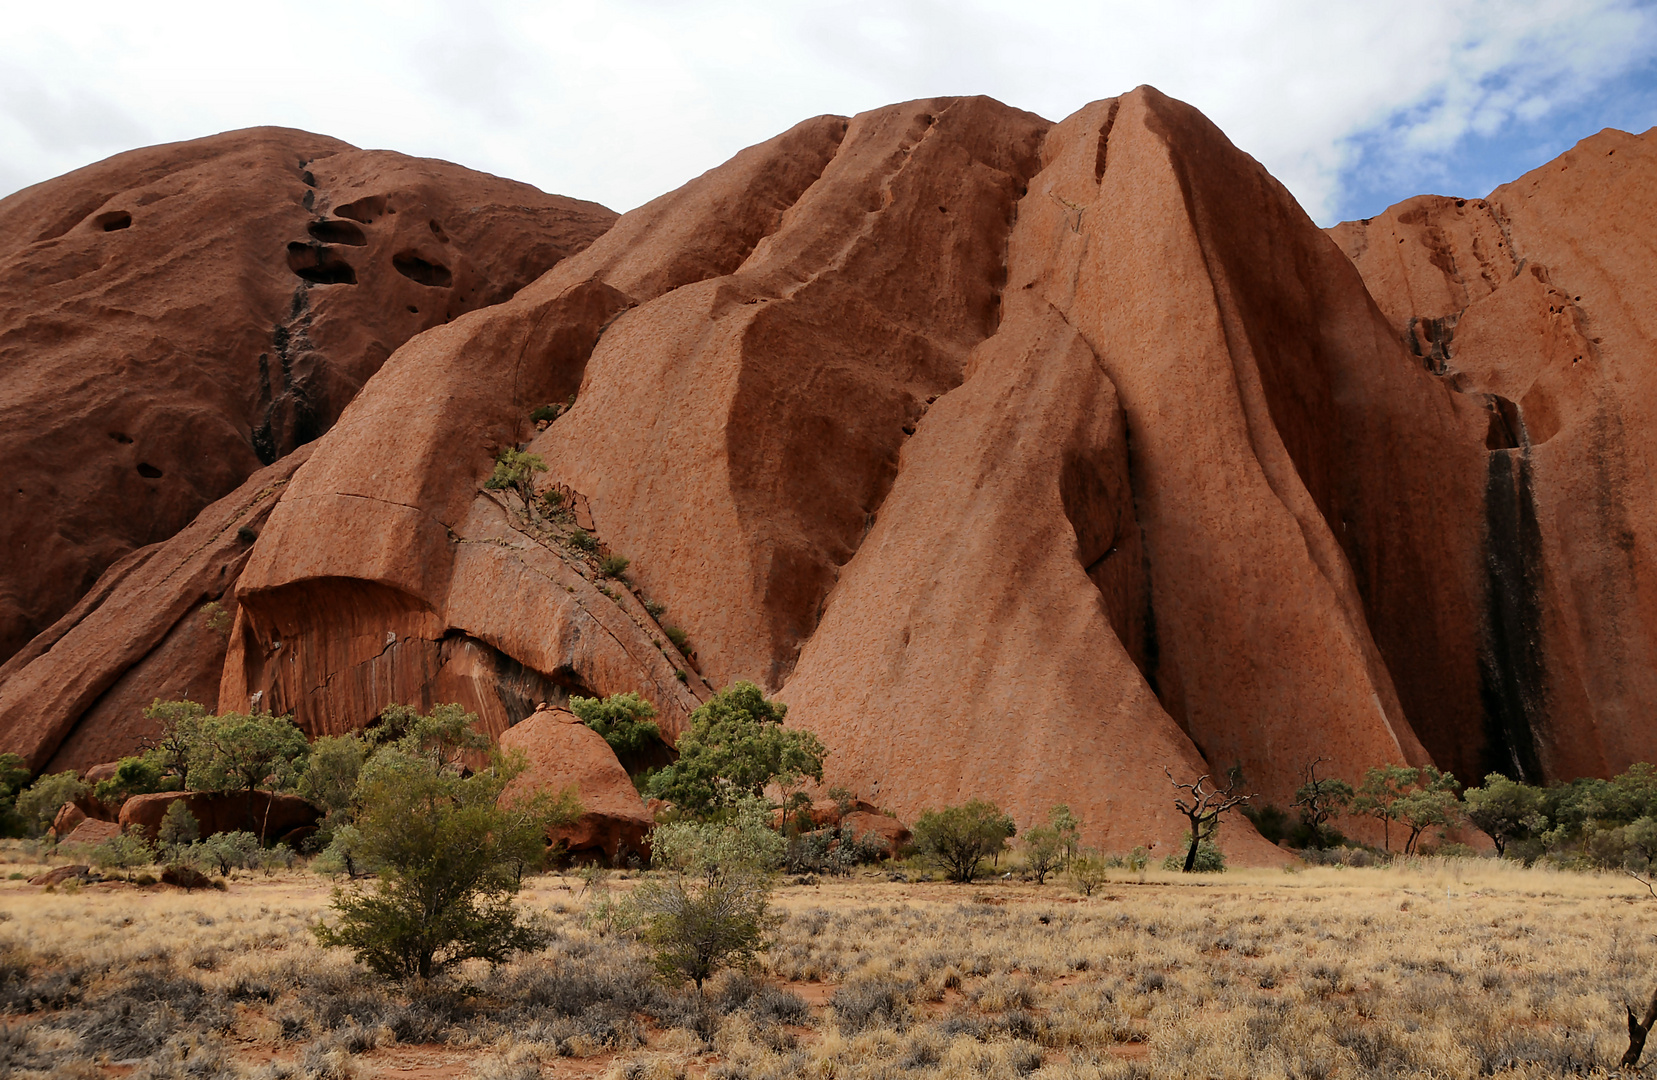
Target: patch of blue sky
<point>1401,158</point>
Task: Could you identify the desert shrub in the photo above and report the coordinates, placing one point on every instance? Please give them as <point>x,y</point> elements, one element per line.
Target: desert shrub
<point>515,470</point>
<point>872,1002</point>
<point>744,838</point>
<point>549,413</point>
<point>614,566</point>
<point>697,925</point>
<point>1210,859</point>
<point>223,852</point>
<point>582,540</point>
<point>625,721</point>
<point>655,609</point>
<point>960,838</point>
<point>1088,870</point>
<point>135,776</point>
<point>737,745</point>
<point>40,802</point>
<point>329,778</point>
<point>179,827</point>
<point>831,851</point>
<point>449,860</point>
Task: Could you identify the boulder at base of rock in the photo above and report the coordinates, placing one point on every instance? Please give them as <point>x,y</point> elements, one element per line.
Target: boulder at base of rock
<point>889,830</point>
<point>563,752</point>
<point>62,874</point>
<point>92,831</point>
<point>274,817</point>
<point>69,816</point>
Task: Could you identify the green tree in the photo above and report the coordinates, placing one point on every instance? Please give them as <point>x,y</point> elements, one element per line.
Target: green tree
<point>179,827</point>
<point>960,838</point>
<point>139,775</point>
<point>736,746</point>
<point>329,780</point>
<point>1430,801</point>
<point>1203,806</point>
<point>1069,829</point>
<point>446,736</point>
<point>176,745</point>
<point>1505,809</point>
<point>1319,799</point>
<point>14,777</point>
<point>39,803</point>
<point>448,858</point>
<point>248,752</point>
<point>625,720</point>
<point>1378,795</point>
<point>515,470</point>
<point>1043,851</point>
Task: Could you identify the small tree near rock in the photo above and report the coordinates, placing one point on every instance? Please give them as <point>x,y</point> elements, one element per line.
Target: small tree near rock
<point>1043,851</point>
<point>126,851</point>
<point>515,470</point>
<point>736,746</point>
<point>1088,870</point>
<point>1319,799</point>
<point>960,838</point>
<point>1203,804</point>
<point>1506,810</point>
<point>179,827</point>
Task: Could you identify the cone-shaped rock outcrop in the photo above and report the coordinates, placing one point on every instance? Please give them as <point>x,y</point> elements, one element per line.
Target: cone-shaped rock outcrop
<point>174,318</point>
<point>1023,460</point>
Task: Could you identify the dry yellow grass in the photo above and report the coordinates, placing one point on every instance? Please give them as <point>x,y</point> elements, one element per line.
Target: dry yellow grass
<point>1460,968</point>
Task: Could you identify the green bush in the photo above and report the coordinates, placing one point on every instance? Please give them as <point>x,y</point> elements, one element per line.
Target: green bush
<point>125,851</point>
<point>1088,870</point>
<point>135,776</point>
<point>615,566</point>
<point>582,540</point>
<point>449,859</point>
<point>737,745</point>
<point>695,927</point>
<point>515,471</point>
<point>680,639</point>
<point>179,827</point>
<point>14,776</point>
<point>40,802</point>
<point>1210,859</point>
<point>960,838</point>
<point>703,848</point>
<point>549,413</point>
<point>1043,851</point>
<point>623,719</point>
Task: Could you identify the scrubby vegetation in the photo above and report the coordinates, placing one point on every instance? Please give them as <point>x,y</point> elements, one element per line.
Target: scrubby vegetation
<point>1449,968</point>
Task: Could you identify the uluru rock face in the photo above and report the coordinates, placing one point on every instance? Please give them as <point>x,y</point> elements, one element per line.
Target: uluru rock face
<point>1536,305</point>
<point>1023,460</point>
<point>175,317</point>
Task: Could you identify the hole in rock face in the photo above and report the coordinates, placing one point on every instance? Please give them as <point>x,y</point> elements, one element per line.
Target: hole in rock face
<point>320,265</point>
<point>437,231</point>
<point>310,181</point>
<point>413,267</point>
<point>412,310</point>
<point>338,232</point>
<point>364,210</point>
<point>148,471</point>
<point>115,219</point>
<point>121,437</point>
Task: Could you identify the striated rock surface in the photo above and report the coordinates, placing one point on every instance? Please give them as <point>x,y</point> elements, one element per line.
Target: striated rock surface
<point>75,696</point>
<point>174,317</point>
<point>563,752</point>
<point>1535,305</point>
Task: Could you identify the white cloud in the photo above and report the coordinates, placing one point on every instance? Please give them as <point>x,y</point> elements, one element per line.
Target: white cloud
<point>621,101</point>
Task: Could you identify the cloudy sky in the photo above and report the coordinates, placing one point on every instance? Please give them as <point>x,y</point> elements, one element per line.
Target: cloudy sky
<point>1354,105</point>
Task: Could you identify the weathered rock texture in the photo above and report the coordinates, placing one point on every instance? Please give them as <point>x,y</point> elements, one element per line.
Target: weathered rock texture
<point>175,317</point>
<point>1538,305</point>
<point>273,817</point>
<point>1023,460</point>
<point>565,753</point>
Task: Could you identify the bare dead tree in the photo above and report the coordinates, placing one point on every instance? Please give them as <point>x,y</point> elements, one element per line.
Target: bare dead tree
<point>1638,1029</point>
<point>1202,807</point>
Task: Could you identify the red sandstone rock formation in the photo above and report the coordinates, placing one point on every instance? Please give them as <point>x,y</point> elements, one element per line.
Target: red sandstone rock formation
<point>1021,459</point>
<point>173,317</point>
<point>1536,305</point>
<point>563,752</point>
